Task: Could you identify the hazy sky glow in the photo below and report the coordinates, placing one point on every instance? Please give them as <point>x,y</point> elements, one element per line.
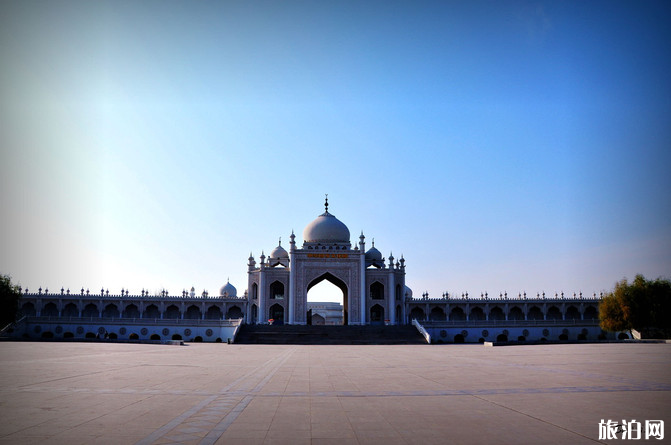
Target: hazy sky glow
<point>499,146</point>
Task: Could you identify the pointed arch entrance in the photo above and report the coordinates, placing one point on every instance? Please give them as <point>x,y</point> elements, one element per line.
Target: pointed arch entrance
<point>340,285</point>
<point>377,315</point>
<point>276,313</point>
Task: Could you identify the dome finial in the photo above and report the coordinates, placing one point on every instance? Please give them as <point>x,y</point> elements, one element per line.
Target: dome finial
<point>373,242</point>
<point>280,243</point>
<point>326,203</point>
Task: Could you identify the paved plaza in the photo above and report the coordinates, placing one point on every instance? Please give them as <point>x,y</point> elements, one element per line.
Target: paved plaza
<point>77,393</point>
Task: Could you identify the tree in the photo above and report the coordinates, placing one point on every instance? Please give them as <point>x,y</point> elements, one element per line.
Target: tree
<point>9,300</point>
<point>611,315</point>
<point>641,305</point>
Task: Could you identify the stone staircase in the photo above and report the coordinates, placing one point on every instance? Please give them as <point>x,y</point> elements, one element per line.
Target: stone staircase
<point>329,335</point>
<point>7,331</point>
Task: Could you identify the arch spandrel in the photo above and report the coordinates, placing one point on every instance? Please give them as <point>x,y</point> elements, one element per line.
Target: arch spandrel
<point>313,273</point>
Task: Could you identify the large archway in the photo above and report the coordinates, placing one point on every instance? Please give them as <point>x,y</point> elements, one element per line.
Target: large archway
<point>340,285</point>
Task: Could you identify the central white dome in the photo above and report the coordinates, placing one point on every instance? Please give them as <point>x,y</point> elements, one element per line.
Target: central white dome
<point>326,229</point>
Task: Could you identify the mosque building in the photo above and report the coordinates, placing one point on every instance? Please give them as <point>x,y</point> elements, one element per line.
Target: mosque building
<point>374,292</point>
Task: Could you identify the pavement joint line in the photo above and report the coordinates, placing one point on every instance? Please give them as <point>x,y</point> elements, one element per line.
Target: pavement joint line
<point>410,393</point>
<point>84,422</point>
<point>559,370</point>
<point>75,376</point>
<point>165,429</point>
<point>349,422</point>
<point>212,404</point>
<point>222,426</point>
<point>272,372</point>
<point>590,375</point>
<point>538,419</point>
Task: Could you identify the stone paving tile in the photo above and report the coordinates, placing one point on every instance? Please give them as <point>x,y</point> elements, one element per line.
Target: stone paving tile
<point>331,430</point>
<point>288,440</point>
<point>244,433</point>
<point>70,438</point>
<point>337,441</point>
<point>246,440</point>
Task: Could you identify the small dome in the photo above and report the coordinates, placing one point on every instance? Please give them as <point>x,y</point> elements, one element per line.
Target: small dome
<point>408,292</point>
<point>373,254</point>
<point>326,229</point>
<point>229,290</point>
<point>279,252</point>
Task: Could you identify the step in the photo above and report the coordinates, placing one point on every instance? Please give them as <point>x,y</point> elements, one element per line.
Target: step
<point>300,334</point>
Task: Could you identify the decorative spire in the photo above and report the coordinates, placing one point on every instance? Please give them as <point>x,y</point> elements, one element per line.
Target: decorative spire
<point>280,243</point>
<point>326,203</point>
<point>373,242</point>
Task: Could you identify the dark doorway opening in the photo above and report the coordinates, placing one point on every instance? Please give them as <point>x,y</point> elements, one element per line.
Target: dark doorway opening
<point>377,315</point>
<point>276,313</point>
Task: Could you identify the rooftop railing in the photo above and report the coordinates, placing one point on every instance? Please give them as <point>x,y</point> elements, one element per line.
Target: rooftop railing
<point>135,321</point>
<point>494,323</point>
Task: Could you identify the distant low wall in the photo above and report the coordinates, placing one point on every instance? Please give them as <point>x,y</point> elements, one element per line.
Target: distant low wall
<point>500,332</point>
<point>126,329</point>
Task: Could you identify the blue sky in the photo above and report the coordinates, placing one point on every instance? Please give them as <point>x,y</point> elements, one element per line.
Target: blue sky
<point>499,146</point>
